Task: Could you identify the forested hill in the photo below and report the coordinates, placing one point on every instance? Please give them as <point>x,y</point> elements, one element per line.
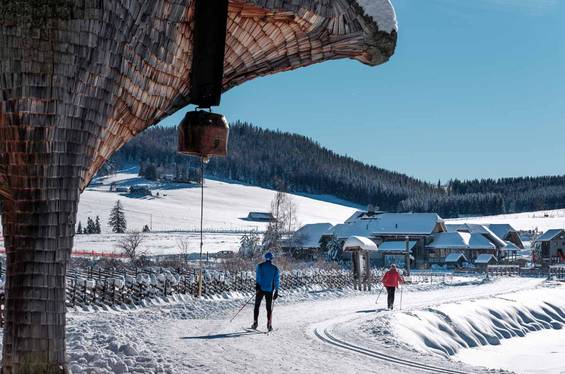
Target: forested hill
<point>275,159</point>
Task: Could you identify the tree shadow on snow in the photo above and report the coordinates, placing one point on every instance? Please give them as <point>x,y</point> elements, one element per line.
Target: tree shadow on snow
<point>222,336</point>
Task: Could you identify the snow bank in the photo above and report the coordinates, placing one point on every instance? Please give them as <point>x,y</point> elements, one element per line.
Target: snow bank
<point>448,328</point>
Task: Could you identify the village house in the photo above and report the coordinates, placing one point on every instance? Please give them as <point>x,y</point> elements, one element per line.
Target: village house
<point>507,233</point>
<point>445,244</point>
<point>551,247</point>
<point>305,242</point>
<point>140,190</point>
<point>504,249</point>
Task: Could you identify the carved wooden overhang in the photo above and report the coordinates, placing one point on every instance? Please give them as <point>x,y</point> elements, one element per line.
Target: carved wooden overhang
<point>121,66</point>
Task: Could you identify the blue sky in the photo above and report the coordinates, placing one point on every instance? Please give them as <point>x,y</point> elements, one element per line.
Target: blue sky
<point>476,89</point>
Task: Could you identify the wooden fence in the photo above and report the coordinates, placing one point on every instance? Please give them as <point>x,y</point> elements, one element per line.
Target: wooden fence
<point>108,287</point>
<point>557,272</point>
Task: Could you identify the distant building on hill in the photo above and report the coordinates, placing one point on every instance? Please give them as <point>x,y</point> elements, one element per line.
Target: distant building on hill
<point>260,217</point>
<point>140,191</point>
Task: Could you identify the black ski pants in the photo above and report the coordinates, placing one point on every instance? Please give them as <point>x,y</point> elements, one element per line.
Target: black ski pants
<point>268,301</point>
<point>390,296</point>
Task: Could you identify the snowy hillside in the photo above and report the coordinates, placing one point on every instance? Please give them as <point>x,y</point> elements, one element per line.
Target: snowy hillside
<point>542,220</point>
<point>177,207</point>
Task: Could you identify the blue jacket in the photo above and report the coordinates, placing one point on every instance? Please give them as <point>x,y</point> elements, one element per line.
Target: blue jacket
<point>267,276</point>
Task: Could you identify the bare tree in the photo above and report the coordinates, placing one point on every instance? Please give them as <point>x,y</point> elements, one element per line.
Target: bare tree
<point>130,245</point>
<point>283,210</point>
<point>183,245</point>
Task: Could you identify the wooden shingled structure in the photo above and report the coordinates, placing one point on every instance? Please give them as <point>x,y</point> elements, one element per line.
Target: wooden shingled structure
<point>79,78</point>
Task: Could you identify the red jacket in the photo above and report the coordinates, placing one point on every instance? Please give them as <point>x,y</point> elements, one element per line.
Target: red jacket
<point>392,278</point>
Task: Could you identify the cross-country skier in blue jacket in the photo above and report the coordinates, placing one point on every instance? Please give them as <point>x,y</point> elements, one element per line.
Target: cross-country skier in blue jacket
<point>267,284</point>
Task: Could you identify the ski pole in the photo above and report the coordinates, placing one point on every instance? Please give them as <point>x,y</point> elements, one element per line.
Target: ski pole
<point>401,288</point>
<point>240,309</point>
<point>379,295</point>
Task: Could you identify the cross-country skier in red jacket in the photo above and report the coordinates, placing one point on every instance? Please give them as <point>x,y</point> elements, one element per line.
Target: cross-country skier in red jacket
<point>391,280</point>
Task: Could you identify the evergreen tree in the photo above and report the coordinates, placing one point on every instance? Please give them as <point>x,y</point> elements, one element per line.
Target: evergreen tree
<point>334,249</point>
<point>150,172</point>
<point>117,219</point>
<point>90,226</point>
<point>97,228</point>
<point>79,229</point>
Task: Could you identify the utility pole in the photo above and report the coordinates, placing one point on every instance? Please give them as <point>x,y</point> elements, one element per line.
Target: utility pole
<point>407,239</point>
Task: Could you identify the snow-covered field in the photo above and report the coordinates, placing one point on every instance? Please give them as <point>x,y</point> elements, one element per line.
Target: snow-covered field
<point>178,208</point>
<point>542,220</point>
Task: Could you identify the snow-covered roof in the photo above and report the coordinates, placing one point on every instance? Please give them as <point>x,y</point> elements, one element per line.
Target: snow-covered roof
<point>511,246</point>
<point>389,224</point>
<point>362,215</point>
<point>460,240</point>
<point>485,258</point>
<point>396,246</point>
<point>449,240</point>
<point>474,228</point>
<point>455,257</point>
<point>549,235</point>
<point>382,12</point>
<point>479,241</point>
<point>500,229</point>
<point>359,242</point>
<point>308,236</point>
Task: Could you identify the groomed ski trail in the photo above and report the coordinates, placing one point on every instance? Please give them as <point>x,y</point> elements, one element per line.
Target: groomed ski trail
<point>328,338</point>
<point>321,335</point>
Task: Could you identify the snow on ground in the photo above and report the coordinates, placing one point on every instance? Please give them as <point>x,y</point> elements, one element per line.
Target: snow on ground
<point>540,353</point>
<point>197,336</point>
<point>161,243</point>
<point>542,220</point>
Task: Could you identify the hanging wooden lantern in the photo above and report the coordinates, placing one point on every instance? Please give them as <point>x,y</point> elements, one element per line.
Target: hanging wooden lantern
<point>203,134</point>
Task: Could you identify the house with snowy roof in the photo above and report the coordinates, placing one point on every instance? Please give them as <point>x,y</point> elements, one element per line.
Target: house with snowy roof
<point>470,245</point>
<point>504,249</point>
<point>306,241</point>
<point>391,232</point>
<point>507,233</point>
<point>551,246</point>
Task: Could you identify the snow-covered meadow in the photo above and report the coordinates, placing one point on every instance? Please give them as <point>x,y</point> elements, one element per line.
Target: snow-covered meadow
<point>175,208</point>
